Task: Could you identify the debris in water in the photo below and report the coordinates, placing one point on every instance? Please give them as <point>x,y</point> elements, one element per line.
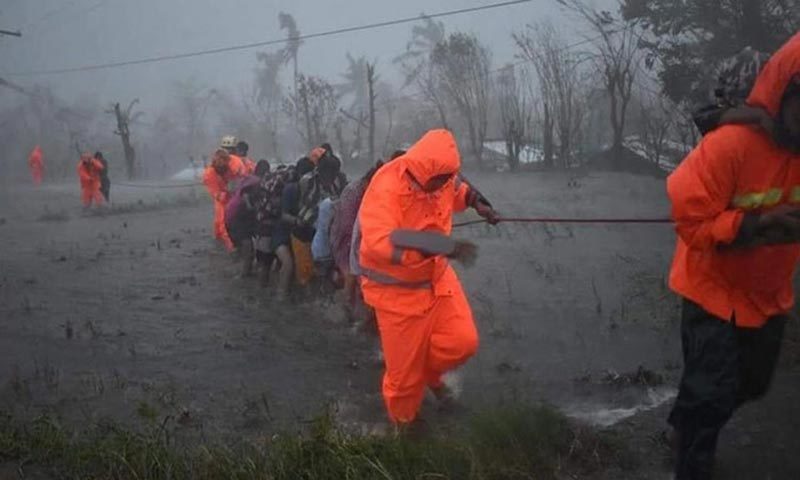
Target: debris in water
<point>506,367</point>
<point>157,297</point>
<point>642,377</point>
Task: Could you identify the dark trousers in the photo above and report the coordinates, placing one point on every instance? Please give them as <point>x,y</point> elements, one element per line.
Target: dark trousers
<point>105,188</point>
<point>724,367</point>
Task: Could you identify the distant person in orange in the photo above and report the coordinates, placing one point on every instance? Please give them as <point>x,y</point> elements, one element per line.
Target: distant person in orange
<point>36,163</point>
<point>736,206</point>
<point>218,178</point>
<point>405,220</point>
<point>89,172</point>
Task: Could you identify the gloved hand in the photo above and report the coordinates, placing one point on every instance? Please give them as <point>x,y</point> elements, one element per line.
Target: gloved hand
<point>488,213</point>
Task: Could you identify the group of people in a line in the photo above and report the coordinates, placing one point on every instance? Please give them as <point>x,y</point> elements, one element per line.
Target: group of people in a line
<point>384,239</point>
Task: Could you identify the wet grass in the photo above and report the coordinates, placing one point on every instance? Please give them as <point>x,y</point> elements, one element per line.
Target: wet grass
<point>510,443</point>
<point>159,203</point>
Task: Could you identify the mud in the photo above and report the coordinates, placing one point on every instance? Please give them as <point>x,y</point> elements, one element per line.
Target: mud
<point>135,313</point>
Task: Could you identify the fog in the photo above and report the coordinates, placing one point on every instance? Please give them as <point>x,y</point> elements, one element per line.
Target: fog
<point>67,34</point>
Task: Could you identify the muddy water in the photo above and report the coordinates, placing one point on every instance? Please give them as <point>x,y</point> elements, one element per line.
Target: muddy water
<point>137,313</point>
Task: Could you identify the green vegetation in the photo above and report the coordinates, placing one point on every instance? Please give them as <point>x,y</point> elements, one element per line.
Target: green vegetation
<point>510,443</point>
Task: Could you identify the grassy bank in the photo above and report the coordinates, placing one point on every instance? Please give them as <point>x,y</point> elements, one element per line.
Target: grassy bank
<point>511,443</point>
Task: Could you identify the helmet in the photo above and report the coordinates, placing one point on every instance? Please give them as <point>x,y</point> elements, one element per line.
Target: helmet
<point>228,141</point>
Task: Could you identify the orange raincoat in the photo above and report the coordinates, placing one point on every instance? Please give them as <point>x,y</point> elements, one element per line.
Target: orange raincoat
<point>36,163</point>
<point>89,169</point>
<point>425,322</point>
<point>249,165</point>
<point>218,188</point>
<point>734,171</point>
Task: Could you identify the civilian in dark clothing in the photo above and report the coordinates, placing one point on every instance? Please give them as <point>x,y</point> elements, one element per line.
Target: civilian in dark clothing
<point>105,183</point>
<point>286,229</point>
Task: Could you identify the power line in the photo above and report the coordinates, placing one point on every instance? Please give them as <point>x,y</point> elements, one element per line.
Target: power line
<point>247,46</point>
<point>11,33</point>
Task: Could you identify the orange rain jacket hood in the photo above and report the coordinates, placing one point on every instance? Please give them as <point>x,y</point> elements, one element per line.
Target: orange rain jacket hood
<point>434,154</point>
<point>393,203</point>
<point>735,173</point>
<point>781,70</point>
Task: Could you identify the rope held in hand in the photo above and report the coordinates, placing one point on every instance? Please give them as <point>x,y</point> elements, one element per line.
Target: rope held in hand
<point>567,220</point>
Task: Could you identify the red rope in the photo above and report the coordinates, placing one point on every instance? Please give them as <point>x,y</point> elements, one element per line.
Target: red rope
<point>568,220</point>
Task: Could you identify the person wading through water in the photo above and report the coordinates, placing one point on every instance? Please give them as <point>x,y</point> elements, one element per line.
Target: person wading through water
<point>736,206</point>
<point>425,322</point>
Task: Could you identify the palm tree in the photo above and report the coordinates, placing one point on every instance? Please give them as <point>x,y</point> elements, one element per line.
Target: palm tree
<point>355,82</point>
<point>424,38</point>
<point>293,44</point>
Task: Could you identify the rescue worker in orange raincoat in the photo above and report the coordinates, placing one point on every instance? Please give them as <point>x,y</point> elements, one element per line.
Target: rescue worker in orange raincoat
<point>736,206</point>
<point>89,169</point>
<point>224,169</point>
<point>36,163</point>
<point>425,322</point>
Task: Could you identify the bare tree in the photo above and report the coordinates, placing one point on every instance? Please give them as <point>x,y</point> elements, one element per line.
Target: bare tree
<point>685,128</point>
<point>656,124</point>
<point>560,88</point>
<point>516,114</point>
<point>124,118</point>
<point>192,103</point>
<point>615,56</point>
<point>462,66</point>
<point>315,106</point>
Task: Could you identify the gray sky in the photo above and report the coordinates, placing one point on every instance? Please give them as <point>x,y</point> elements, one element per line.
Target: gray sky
<point>69,33</point>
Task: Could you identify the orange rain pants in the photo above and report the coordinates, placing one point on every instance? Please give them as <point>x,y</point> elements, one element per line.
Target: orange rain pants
<point>303,261</point>
<point>419,348</point>
<point>217,186</point>
<point>220,231</point>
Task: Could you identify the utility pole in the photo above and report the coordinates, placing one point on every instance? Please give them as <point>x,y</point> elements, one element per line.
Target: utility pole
<point>10,33</point>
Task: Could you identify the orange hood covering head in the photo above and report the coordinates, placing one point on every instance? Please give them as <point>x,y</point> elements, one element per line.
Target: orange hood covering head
<point>436,153</point>
<point>779,72</point>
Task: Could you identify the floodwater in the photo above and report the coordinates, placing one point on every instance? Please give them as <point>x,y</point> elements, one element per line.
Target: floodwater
<point>135,312</point>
